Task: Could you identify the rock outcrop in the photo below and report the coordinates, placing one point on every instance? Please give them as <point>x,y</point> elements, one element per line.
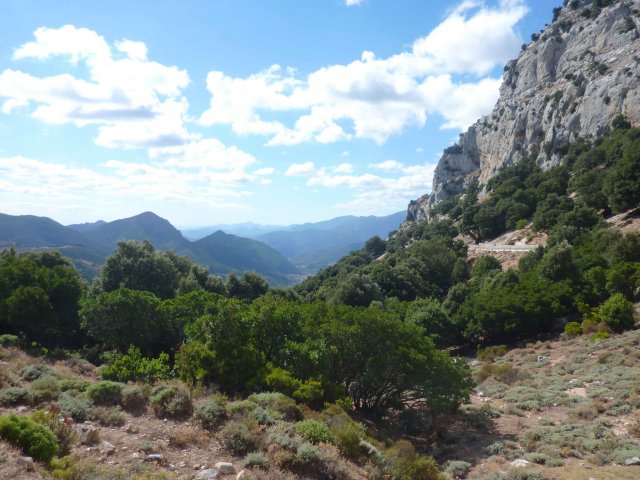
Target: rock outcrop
<point>582,72</point>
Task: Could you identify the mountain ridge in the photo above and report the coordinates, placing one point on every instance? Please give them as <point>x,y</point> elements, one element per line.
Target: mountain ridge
<point>89,249</point>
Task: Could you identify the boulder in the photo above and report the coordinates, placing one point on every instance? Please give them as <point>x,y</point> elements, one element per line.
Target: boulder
<point>208,474</point>
<point>225,468</point>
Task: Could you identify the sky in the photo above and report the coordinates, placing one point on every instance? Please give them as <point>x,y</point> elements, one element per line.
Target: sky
<point>225,111</point>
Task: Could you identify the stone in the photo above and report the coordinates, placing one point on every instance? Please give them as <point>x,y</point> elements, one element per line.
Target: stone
<point>242,475</point>
<point>88,435</point>
<point>208,474</point>
<point>632,461</point>
<point>26,463</point>
<point>131,428</point>
<point>550,95</point>
<point>155,457</point>
<point>521,462</point>
<point>107,448</point>
<point>225,468</point>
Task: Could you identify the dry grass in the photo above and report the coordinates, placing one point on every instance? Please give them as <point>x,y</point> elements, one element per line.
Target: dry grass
<point>186,436</point>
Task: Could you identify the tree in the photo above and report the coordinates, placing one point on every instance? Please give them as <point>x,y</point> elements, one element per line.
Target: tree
<point>432,317</point>
<point>617,313</point>
<point>39,298</point>
<point>248,287</point>
<point>375,246</point>
<point>125,317</point>
<point>137,266</point>
<point>485,265</point>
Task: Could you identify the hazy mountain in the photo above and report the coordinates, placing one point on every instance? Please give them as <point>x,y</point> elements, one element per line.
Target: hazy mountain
<point>247,229</point>
<point>91,246</point>
<point>226,252</point>
<point>316,245</point>
<point>32,231</point>
<point>85,227</point>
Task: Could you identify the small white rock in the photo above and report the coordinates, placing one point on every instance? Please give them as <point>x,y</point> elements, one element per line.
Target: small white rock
<point>521,462</point>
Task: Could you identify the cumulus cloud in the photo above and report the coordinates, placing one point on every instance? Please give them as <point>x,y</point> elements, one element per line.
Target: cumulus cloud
<point>374,98</point>
<point>375,193</point>
<point>300,169</point>
<point>353,3</point>
<point>135,102</point>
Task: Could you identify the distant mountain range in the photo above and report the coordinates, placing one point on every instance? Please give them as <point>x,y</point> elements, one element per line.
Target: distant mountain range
<point>312,246</point>
<point>90,244</point>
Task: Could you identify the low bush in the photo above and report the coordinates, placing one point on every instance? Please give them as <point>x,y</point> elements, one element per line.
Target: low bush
<point>105,393</point>
<point>33,372</point>
<point>46,388</point>
<point>314,431</point>
<point>34,439</point>
<point>133,367</point>
<point>171,401</point>
<point>505,373</point>
<point>134,399</point>
<point>210,414</point>
<point>60,425</point>
<point>265,416</point>
<point>108,416</point>
<point>402,462</point>
<point>573,329</point>
<point>457,468</point>
<point>256,459</point>
<point>347,439</point>
<point>185,436</point>
<point>74,385</point>
<point>489,354</point>
<point>240,408</point>
<point>278,402</point>
<point>77,408</point>
<point>8,340</point>
<point>237,438</point>
<point>14,396</point>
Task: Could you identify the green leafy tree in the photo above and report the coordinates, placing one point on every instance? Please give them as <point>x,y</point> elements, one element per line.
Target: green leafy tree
<point>617,313</point>
<point>125,317</point>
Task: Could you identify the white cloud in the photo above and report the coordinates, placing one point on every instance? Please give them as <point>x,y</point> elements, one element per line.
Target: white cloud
<point>375,98</point>
<point>353,3</point>
<point>265,171</point>
<point>344,168</point>
<point>136,103</point>
<point>419,150</point>
<point>300,169</point>
<point>387,165</point>
<point>375,193</point>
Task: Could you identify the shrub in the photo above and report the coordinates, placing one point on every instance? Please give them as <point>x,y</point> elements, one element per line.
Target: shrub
<point>184,436</point>
<point>73,384</point>
<point>105,392</point>
<point>282,381</point>
<point>457,468</point>
<point>314,431</point>
<point>504,373</point>
<point>134,399</point>
<point>617,313</point>
<point>600,336</point>
<point>241,407</point>
<point>489,354</point>
<point>279,403</point>
<point>573,329</point>
<point>45,389</point>
<point>60,425</point>
<point>236,438</point>
<point>76,407</point>
<point>171,401</point>
<point>8,340</point>
<point>14,396</point>
<point>108,416</point>
<point>404,463</point>
<point>256,459</point>
<point>347,439</point>
<point>265,416</point>
<point>308,454</point>
<point>33,439</point>
<point>133,367</point>
<point>33,372</point>
<point>310,393</point>
<point>210,414</point>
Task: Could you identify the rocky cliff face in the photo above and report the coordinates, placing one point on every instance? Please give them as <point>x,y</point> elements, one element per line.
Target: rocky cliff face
<point>571,82</point>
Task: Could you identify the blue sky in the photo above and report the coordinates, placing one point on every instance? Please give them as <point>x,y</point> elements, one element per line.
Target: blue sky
<point>225,111</point>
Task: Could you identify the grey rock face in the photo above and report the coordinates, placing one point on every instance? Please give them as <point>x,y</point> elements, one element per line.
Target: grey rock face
<point>572,82</point>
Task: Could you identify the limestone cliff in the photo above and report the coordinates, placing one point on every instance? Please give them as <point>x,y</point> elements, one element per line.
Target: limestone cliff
<point>582,71</point>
